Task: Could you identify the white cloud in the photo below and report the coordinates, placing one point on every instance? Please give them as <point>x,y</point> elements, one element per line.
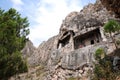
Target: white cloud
<point>45,16</point>
<point>49,15</point>
<point>17,4</point>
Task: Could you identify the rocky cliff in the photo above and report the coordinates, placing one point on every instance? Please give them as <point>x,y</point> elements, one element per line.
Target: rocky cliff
<point>41,55</point>
<point>90,17</point>
<point>71,52</point>
<point>112,6</point>
<point>28,49</point>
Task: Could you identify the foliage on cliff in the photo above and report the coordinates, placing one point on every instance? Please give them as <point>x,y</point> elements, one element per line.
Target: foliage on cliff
<point>103,69</point>
<point>110,27</point>
<point>13,33</point>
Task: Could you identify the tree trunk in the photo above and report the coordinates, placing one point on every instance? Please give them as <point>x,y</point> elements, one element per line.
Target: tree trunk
<point>113,40</point>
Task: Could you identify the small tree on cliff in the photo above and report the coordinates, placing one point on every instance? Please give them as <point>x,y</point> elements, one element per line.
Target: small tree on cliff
<point>13,33</point>
<point>111,27</point>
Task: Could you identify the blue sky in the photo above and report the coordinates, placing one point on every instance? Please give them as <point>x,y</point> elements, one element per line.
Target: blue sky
<point>45,16</point>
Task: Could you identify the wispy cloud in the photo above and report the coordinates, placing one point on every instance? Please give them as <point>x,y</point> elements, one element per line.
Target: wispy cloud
<point>17,4</point>
<point>49,15</point>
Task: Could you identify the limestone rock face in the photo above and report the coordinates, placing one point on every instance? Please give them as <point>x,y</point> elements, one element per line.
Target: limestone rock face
<point>75,59</point>
<point>29,49</point>
<point>41,55</point>
<point>92,15</point>
<point>113,6</point>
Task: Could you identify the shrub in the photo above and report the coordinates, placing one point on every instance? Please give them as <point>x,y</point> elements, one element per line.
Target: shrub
<point>12,64</point>
<point>103,69</point>
<point>99,54</point>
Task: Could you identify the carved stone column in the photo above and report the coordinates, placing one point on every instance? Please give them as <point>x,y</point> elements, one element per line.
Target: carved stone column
<point>102,34</point>
<point>72,41</point>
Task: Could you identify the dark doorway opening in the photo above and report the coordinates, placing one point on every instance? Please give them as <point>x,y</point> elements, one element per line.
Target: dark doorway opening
<point>92,42</point>
<point>63,42</point>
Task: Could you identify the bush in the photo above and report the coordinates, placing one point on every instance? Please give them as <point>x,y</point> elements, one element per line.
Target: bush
<point>118,42</point>
<point>103,69</point>
<point>12,64</point>
<point>99,54</point>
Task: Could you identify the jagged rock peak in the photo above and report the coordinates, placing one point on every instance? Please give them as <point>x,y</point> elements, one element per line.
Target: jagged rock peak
<point>112,5</point>
<point>29,49</point>
<point>90,16</point>
<point>41,54</point>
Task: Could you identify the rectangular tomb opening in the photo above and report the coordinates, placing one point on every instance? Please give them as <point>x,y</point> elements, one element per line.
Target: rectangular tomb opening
<point>88,38</point>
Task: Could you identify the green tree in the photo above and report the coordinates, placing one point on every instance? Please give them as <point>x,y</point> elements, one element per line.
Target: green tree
<point>111,27</point>
<point>13,36</point>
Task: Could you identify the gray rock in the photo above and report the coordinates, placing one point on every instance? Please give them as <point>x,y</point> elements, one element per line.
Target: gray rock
<point>41,54</point>
<point>29,49</point>
<point>116,63</point>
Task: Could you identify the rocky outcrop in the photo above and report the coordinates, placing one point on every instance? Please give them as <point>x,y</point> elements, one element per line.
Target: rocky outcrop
<point>29,49</point>
<point>112,6</point>
<point>92,15</point>
<point>41,55</point>
<point>75,59</point>
<point>76,63</point>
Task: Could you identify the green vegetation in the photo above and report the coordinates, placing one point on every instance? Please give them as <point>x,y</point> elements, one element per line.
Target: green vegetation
<point>103,68</point>
<point>111,27</point>
<point>118,42</point>
<point>13,33</point>
<point>100,54</point>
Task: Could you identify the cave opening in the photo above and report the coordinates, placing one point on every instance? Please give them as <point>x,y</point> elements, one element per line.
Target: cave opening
<point>88,38</point>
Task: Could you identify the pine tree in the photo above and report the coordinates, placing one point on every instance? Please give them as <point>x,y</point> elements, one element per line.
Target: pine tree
<point>13,36</point>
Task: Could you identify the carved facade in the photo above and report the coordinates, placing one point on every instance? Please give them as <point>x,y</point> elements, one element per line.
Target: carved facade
<point>70,40</point>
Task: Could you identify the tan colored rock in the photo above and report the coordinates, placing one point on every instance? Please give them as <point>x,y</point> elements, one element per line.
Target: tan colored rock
<point>29,49</point>
<point>81,71</point>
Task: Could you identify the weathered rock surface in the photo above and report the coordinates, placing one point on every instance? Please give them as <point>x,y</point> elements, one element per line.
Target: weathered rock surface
<point>92,15</point>
<point>75,59</point>
<point>29,49</point>
<point>41,55</point>
<point>113,6</point>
